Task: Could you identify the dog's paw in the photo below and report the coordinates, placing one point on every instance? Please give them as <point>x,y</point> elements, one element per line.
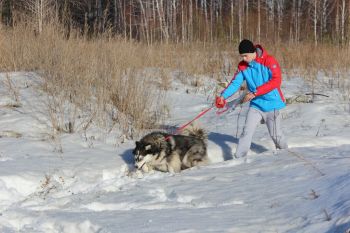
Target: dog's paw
<point>146,168</point>
<point>139,174</point>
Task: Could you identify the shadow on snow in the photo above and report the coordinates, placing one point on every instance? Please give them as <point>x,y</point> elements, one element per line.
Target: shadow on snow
<point>222,140</point>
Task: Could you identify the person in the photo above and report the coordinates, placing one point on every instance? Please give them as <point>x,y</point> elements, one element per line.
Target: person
<point>262,75</point>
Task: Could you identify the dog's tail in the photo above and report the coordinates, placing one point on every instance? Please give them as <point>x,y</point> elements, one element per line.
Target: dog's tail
<point>196,132</point>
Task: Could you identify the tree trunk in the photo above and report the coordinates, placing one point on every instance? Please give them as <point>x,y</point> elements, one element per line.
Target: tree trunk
<point>183,30</point>
<point>298,16</point>
<point>337,27</point>
<point>280,10</point>
<point>144,20</point>
<point>162,22</point>
<point>1,9</point>
<point>272,19</point>
<point>154,17</point>
<point>240,29</point>
<point>315,22</point>
<point>190,22</point>
<point>124,20</point>
<point>292,22</point>
<point>246,13</point>
<point>232,26</point>
<point>174,17</point>
<point>130,18</point>
<point>211,20</point>
<point>349,23</point>
<point>40,15</point>
<point>343,22</point>
<point>115,15</point>
<point>259,22</point>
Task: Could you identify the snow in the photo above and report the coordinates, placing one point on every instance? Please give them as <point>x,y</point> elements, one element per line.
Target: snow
<point>91,186</point>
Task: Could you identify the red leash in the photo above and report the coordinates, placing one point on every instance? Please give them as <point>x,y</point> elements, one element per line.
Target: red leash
<point>185,125</point>
<point>200,115</point>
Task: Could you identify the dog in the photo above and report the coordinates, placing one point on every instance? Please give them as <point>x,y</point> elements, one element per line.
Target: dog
<point>164,152</point>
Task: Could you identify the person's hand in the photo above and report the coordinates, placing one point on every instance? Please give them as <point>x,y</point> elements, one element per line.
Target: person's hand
<point>220,102</point>
<point>248,97</point>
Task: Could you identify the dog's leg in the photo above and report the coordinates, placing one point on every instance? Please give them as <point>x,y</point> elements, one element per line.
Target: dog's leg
<point>201,162</point>
<point>195,156</point>
<point>160,162</point>
<point>185,162</point>
<point>174,163</point>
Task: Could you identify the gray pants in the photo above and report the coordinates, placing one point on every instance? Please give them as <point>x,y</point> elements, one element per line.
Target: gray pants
<point>273,122</point>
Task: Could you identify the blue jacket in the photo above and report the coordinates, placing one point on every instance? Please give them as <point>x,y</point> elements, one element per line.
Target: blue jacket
<point>263,78</point>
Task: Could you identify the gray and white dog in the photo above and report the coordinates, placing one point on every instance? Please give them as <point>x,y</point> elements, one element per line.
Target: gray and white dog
<point>171,153</point>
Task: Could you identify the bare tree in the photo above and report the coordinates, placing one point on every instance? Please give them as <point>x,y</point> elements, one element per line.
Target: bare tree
<point>342,22</point>
<point>259,20</point>
<point>280,13</point>
<point>270,8</point>
<point>39,11</point>
<point>325,12</point>
<point>240,19</point>
<point>314,13</point>
<point>145,24</point>
<point>188,20</point>
<point>297,23</point>
<point>336,21</point>
<point>349,23</point>
<point>162,22</point>
<point>232,25</point>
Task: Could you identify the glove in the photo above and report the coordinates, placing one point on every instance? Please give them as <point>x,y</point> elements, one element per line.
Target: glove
<point>220,102</point>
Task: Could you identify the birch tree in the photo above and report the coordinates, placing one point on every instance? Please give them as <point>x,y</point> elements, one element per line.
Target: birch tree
<point>270,8</point>
<point>349,23</point>
<point>336,21</point>
<point>162,22</point>
<point>259,21</point>
<point>314,18</point>
<point>342,22</point>
<point>326,9</point>
<point>39,11</point>
<point>280,13</point>
<point>240,19</point>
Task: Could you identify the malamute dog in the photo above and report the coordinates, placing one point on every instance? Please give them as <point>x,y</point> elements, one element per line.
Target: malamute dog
<point>171,153</point>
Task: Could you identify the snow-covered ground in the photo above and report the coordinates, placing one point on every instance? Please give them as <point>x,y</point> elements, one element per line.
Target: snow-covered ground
<point>89,187</point>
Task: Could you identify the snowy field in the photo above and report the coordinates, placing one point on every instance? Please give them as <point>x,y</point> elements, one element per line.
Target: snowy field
<point>91,187</point>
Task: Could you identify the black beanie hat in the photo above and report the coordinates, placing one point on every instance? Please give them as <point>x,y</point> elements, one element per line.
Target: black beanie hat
<point>246,46</point>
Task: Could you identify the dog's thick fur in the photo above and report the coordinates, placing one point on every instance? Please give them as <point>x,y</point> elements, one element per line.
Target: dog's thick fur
<point>171,153</point>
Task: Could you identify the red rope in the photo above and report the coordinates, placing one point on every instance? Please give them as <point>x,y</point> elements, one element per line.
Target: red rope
<point>185,125</point>
<point>218,112</point>
<point>198,116</point>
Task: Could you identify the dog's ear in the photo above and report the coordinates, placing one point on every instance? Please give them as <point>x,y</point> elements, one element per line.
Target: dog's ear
<point>137,143</point>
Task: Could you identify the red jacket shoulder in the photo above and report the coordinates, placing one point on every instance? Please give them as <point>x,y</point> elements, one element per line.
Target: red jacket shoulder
<point>271,62</point>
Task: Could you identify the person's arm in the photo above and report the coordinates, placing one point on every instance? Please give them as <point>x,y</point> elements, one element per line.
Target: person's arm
<point>275,80</point>
<point>233,86</point>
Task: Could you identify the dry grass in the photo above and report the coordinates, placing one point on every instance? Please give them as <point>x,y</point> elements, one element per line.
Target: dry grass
<point>308,61</point>
<point>108,79</point>
<point>86,80</point>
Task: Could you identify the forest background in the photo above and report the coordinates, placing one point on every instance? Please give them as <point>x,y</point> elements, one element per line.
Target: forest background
<point>103,57</point>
